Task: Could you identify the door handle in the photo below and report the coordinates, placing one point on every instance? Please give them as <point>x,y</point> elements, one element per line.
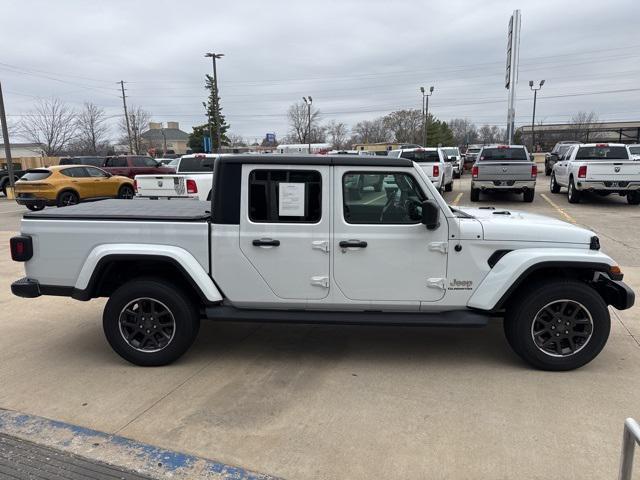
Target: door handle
<point>266,242</point>
<point>353,244</point>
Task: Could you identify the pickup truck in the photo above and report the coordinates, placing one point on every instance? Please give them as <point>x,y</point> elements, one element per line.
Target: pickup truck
<point>457,162</point>
<point>192,180</point>
<point>470,156</point>
<point>4,178</point>
<point>556,154</point>
<point>286,242</point>
<point>602,168</point>
<point>132,165</point>
<point>434,161</point>
<point>504,168</point>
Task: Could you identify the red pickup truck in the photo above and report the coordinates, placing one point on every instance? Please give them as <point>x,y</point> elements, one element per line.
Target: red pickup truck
<point>132,165</point>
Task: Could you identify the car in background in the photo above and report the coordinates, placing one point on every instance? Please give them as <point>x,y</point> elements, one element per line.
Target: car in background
<point>555,154</point>
<point>470,156</point>
<point>65,185</point>
<point>504,168</point>
<point>132,165</point>
<point>634,150</point>
<point>4,178</point>
<point>456,160</point>
<point>83,160</point>
<point>166,161</point>
<point>434,163</point>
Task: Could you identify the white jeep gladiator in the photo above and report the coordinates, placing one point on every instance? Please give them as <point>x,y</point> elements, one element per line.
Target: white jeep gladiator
<point>295,239</point>
<point>601,168</point>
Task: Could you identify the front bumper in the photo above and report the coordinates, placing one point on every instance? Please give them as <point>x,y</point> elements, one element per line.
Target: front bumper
<point>511,185</point>
<point>608,185</point>
<point>615,292</point>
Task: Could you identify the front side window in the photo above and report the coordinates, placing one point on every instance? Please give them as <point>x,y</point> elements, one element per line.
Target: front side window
<point>285,196</point>
<point>395,198</point>
<point>95,172</point>
<point>75,172</point>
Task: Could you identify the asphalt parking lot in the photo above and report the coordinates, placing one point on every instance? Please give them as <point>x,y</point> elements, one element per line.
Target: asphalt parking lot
<point>324,402</point>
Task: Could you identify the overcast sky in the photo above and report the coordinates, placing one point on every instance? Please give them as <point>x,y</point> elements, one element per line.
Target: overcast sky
<point>357,59</point>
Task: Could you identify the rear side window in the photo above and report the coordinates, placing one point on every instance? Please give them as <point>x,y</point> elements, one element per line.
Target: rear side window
<point>196,164</point>
<point>143,162</point>
<point>421,156</point>
<point>93,161</point>
<point>504,154</point>
<point>116,162</point>
<point>602,152</point>
<point>285,196</point>
<point>35,175</point>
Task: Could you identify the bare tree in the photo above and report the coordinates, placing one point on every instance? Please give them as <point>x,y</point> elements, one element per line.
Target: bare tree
<point>51,124</point>
<point>337,134</point>
<point>298,117</point>
<point>371,131</point>
<point>138,123</point>
<point>581,124</point>
<point>491,134</point>
<point>406,125</point>
<point>92,129</point>
<point>237,140</point>
<point>464,131</point>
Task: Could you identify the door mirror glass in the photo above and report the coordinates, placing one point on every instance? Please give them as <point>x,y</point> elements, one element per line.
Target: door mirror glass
<point>430,215</point>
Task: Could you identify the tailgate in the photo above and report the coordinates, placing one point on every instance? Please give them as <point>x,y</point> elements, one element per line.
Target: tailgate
<point>161,186</point>
<point>504,170</point>
<point>612,170</point>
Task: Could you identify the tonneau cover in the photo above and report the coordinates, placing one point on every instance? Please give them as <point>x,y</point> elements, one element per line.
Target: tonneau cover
<point>124,210</point>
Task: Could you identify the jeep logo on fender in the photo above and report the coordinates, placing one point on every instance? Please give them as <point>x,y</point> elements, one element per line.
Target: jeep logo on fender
<point>456,284</point>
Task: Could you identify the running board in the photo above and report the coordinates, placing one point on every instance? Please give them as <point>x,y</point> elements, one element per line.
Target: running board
<point>457,318</point>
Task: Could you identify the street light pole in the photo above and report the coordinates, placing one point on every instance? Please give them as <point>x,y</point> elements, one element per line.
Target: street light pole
<point>308,101</point>
<point>216,109</point>
<point>425,112</point>
<point>5,140</point>
<point>533,119</point>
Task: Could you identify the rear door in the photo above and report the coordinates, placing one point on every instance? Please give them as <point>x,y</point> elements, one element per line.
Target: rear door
<point>117,166</point>
<point>81,182</point>
<point>284,228</point>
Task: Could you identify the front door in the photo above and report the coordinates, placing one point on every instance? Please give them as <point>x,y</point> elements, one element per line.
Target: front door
<point>284,228</point>
<point>382,250</point>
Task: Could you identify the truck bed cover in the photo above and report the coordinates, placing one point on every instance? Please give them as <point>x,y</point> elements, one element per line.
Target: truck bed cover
<point>134,210</point>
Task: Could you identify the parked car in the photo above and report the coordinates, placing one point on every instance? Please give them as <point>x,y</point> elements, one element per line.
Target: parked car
<point>555,154</point>
<point>192,180</point>
<point>93,161</point>
<point>602,168</point>
<point>285,243</point>
<point>434,162</point>
<point>69,184</point>
<point>167,162</point>
<point>504,168</point>
<point>634,150</point>
<point>4,178</point>
<point>470,156</point>
<point>456,160</point>
<point>132,165</point>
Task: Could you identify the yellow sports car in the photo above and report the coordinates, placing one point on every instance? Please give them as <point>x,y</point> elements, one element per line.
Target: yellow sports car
<point>69,184</point>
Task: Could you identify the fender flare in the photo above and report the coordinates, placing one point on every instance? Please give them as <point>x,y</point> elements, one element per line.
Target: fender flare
<point>179,257</point>
<point>514,267</point>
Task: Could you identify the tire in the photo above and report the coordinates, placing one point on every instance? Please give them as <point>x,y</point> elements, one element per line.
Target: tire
<point>4,188</point>
<point>67,198</point>
<point>126,192</point>
<point>633,198</point>
<point>547,171</point>
<point>528,195</point>
<point>572,194</point>
<point>448,187</point>
<point>35,207</point>
<point>537,308</point>
<point>553,185</point>
<point>475,194</point>
<point>180,319</point>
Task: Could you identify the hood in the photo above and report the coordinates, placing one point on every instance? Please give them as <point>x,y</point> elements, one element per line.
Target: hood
<point>502,224</point>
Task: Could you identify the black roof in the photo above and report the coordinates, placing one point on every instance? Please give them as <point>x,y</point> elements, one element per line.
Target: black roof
<point>340,160</point>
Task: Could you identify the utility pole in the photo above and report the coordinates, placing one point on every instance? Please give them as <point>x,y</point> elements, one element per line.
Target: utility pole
<point>164,142</point>
<point>308,100</point>
<point>511,74</point>
<point>216,110</point>
<point>126,115</point>
<point>425,113</point>
<point>5,136</point>
<point>533,120</point>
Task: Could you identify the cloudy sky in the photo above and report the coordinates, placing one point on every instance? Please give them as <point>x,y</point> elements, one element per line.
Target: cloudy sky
<point>357,59</point>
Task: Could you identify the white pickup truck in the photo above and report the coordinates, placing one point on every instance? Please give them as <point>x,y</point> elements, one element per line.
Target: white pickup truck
<point>192,180</point>
<point>434,161</point>
<point>602,168</point>
<point>294,239</point>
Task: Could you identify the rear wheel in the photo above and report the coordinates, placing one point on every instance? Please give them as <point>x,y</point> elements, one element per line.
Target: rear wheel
<point>448,187</point>
<point>572,194</point>
<point>126,191</point>
<point>528,195</point>
<point>475,194</point>
<point>633,198</point>
<point>557,326</point>
<point>553,185</point>
<point>4,188</point>
<point>150,322</point>
<point>67,198</point>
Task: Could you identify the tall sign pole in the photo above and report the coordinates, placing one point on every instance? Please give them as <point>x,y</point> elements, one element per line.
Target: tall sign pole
<point>511,77</point>
<point>5,136</point>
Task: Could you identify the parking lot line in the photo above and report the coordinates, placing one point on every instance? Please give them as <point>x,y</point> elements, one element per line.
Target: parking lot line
<point>458,197</point>
<point>560,210</point>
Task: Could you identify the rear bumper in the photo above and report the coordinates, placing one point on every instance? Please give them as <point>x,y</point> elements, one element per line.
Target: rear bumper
<point>20,200</point>
<point>608,185</point>
<point>30,288</point>
<point>510,185</point>
<point>166,197</point>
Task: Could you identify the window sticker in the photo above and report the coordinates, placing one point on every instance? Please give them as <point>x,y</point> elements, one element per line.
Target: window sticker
<point>291,199</point>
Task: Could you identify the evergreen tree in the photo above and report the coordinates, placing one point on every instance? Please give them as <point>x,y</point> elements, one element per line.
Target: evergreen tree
<point>196,138</point>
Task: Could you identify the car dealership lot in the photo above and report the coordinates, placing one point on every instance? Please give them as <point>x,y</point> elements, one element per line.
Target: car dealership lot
<point>341,402</point>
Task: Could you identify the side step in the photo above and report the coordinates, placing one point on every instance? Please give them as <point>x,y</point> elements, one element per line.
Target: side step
<point>458,318</point>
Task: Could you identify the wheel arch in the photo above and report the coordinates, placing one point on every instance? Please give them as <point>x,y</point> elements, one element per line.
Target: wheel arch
<point>67,189</point>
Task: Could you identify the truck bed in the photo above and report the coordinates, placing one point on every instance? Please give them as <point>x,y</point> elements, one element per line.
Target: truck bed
<point>129,210</point>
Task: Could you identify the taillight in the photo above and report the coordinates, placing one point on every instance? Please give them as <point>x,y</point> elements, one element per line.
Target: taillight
<point>191,186</point>
<point>474,171</point>
<point>582,171</point>
<point>21,248</point>
<point>135,185</point>
<point>436,171</point>
<point>534,171</point>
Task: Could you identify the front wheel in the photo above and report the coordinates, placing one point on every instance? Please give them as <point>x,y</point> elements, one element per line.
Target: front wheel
<point>553,184</point>
<point>558,326</point>
<point>126,192</point>
<point>68,198</point>
<point>150,322</point>
<point>573,195</point>
<point>528,195</point>
<point>633,198</point>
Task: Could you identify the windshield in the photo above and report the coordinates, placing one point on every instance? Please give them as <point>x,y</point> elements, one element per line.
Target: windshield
<point>602,152</point>
<point>504,154</point>
<point>421,156</point>
<point>196,164</point>
<point>635,150</point>
<point>35,175</point>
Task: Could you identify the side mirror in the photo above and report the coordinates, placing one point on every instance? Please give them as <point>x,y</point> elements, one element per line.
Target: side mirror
<point>430,215</point>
